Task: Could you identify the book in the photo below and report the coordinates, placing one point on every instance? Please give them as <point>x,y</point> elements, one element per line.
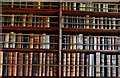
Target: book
<point>113,63</point>
<point>51,63</point>
<point>91,63</point>
<point>1,63</point>
<point>24,20</point>
<point>6,44</point>
<point>118,70</point>
<point>44,67</point>
<point>55,69</point>
<point>78,63</point>
<point>26,62</point>
<point>48,64</point>
<point>72,68</point>
<point>68,64</point>
<point>97,64</point>
<point>40,62</point>
<point>87,21</point>
<point>74,42</point>
<point>14,67</point>
<point>82,63</point>
<point>102,63</point>
<point>80,41</point>
<point>30,64</point>
<point>64,64</point>
<point>108,65</point>
<point>20,64</point>
<point>87,56</point>
<point>113,23</point>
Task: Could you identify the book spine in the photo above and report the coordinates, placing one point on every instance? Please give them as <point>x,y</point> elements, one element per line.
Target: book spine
<point>12,20</point>
<point>118,71</point>
<point>14,68</point>
<point>113,23</point>
<point>1,63</point>
<point>44,41</point>
<point>74,6</point>
<point>74,42</point>
<point>40,62</point>
<point>48,64</point>
<point>64,63</point>
<point>68,64</point>
<point>108,66</point>
<point>114,65</point>
<point>86,42</point>
<point>77,63</point>
<point>97,64</point>
<point>20,62</point>
<point>47,41</point>
<point>26,61</point>
<point>51,63</point>
<point>24,20</point>
<point>102,65</point>
<point>101,23</point>
<point>80,41</point>
<point>6,44</point>
<point>73,58</point>
<point>5,61</point>
<point>39,5</point>
<point>87,56</point>
<point>44,59</point>
<point>55,63</point>
<point>87,21</point>
<point>82,65</point>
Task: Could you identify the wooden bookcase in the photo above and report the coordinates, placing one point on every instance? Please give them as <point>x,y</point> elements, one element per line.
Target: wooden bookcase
<point>64,54</point>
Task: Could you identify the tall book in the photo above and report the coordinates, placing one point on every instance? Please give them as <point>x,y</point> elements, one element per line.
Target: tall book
<point>82,68</point>
<point>64,64</point>
<point>51,63</point>
<point>118,57</point>
<point>68,64</point>
<point>6,44</point>
<point>78,63</point>
<point>114,65</point>
<point>55,63</point>
<point>87,21</point>
<point>113,23</point>
<point>102,71</point>
<point>87,56</point>
<point>79,41</point>
<point>1,63</point>
<point>20,62</point>
<point>40,66</point>
<point>24,20</point>
<point>30,54</point>
<point>44,67</point>
<point>48,64</point>
<point>14,68</point>
<point>72,68</point>
<point>108,65</point>
<point>97,64</point>
<point>74,6</point>
<point>10,54</point>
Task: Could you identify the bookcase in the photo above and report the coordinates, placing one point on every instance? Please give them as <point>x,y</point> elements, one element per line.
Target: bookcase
<point>60,39</point>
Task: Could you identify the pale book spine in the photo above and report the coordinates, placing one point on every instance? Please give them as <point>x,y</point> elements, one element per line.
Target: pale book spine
<point>102,65</point>
<point>68,64</point>
<point>80,41</point>
<point>93,22</point>
<point>26,59</point>
<point>104,7</point>
<point>99,7</point>
<point>63,5</point>
<point>74,41</point>
<point>114,65</point>
<point>12,20</point>
<point>24,20</point>
<point>30,20</point>
<point>109,23</point>
<point>97,64</point>
<point>71,42</point>
<point>83,6</point>
<point>39,5</point>
<point>64,63</point>
<point>91,6</point>
<point>73,57</point>
<point>87,56</point>
<point>44,41</point>
<point>77,63</point>
<point>118,65</point>
<point>98,22</point>
<point>1,63</point>
<point>101,23</point>
<point>98,43</point>
<point>47,41</point>
<point>86,42</point>
<point>82,63</point>
<point>108,66</point>
<point>66,6</point>
<point>74,6</point>
<point>113,23</point>
<point>6,45</point>
<point>80,7</point>
<point>70,5</point>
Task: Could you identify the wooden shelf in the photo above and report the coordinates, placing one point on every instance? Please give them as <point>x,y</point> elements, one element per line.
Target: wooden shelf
<point>109,32</point>
<point>91,13</point>
<point>28,50</point>
<point>29,29</point>
<point>26,77</point>
<point>30,11</point>
<point>90,51</point>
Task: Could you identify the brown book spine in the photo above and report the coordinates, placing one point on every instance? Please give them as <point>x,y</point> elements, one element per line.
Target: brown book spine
<point>40,66</point>
<point>1,63</point>
<point>30,16</point>
<point>20,64</point>
<point>24,20</point>
<point>73,64</point>
<point>10,54</point>
<point>51,63</point>
<point>87,64</point>
<point>68,64</point>
<point>97,64</point>
<point>78,63</point>
<point>64,63</point>
<point>43,69</point>
<point>26,64</point>
<point>55,63</point>
<point>82,68</point>
<point>14,68</point>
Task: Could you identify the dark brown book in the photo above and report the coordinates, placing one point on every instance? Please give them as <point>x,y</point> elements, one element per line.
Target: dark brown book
<point>77,63</point>
<point>55,63</point>
<point>64,64</point>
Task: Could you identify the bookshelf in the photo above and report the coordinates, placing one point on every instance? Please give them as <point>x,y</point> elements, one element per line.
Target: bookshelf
<point>60,39</point>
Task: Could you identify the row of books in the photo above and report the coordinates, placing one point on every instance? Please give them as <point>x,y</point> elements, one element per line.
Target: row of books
<point>91,65</point>
<point>28,64</point>
<point>26,4</point>
<point>83,42</point>
<point>91,6</point>
<point>90,22</point>
<point>21,40</point>
<point>28,20</point>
